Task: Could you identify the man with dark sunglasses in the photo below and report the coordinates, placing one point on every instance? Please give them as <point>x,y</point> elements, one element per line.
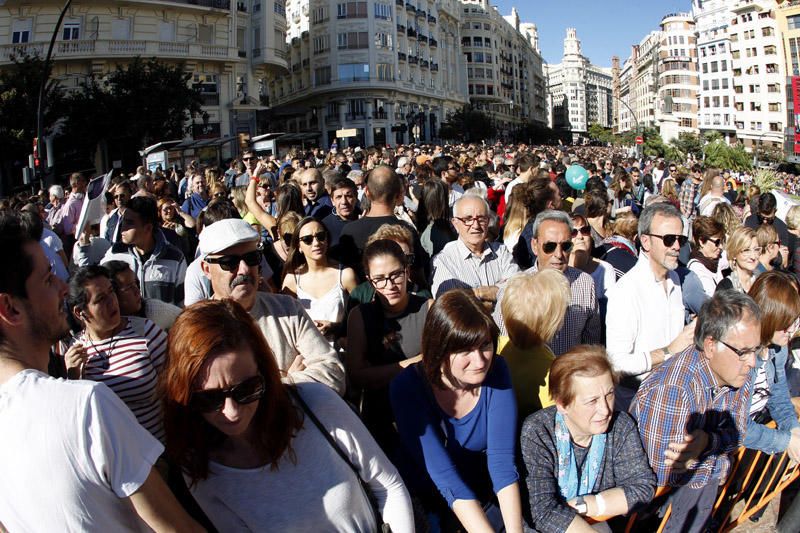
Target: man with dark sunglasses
<point>231,260</point>
<point>645,316</point>
<point>552,244</point>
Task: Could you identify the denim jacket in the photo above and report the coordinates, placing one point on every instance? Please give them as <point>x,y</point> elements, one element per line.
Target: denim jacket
<point>758,436</point>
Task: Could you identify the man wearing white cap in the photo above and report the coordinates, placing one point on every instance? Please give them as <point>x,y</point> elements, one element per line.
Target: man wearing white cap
<point>230,261</point>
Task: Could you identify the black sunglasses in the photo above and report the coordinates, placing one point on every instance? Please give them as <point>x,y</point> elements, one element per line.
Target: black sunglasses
<point>550,247</point>
<point>585,230</point>
<point>670,239</point>
<point>229,263</point>
<point>287,238</point>
<point>321,236</point>
<point>717,242</point>
<point>248,391</point>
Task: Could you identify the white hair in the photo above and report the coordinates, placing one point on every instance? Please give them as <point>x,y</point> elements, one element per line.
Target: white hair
<point>57,191</point>
<point>470,196</point>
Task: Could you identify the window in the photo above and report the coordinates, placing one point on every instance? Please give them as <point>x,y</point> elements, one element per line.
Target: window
<point>384,40</point>
<point>353,40</point>
<point>319,15</point>
<point>774,126</point>
<point>770,50</point>
<point>714,66</point>
<point>353,71</point>
<point>724,83</point>
<point>775,106</point>
<point>767,32</point>
<point>384,71</point>
<point>279,8</point>
<point>71,30</point>
<point>166,31</point>
<point>351,10</point>
<point>794,22</point>
<point>322,76</point>
<point>739,106</point>
<point>723,65</point>
<point>383,11</point>
<point>205,33</point>
<point>356,107</point>
<point>322,43</point>
<point>773,87</point>
<point>726,101</point>
<point>21,31</point>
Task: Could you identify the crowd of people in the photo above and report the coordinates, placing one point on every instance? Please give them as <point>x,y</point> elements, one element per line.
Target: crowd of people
<point>429,338</point>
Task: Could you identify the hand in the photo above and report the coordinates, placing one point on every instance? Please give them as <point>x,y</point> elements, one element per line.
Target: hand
<point>297,365</point>
<point>784,251</point>
<point>684,338</point>
<point>793,450</point>
<point>260,169</point>
<point>324,326</point>
<point>74,360</point>
<point>683,456</point>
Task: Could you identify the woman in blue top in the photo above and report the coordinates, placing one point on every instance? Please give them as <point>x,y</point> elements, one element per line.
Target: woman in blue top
<point>457,416</point>
<point>776,294</point>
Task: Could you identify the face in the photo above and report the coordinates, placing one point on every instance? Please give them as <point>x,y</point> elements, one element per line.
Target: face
<point>313,242</point>
<point>168,212</point>
<point>582,236</point>
<point>121,197</point>
<point>102,308</point>
<point>128,293</point>
<point>660,254</point>
<point>226,370</point>
<point>132,230</point>
<point>44,305</point>
<point>472,222</point>
<point>199,184</point>
<point>310,185</point>
<point>748,258</point>
<point>241,284</point>
<point>726,366</point>
<point>781,337</point>
<point>264,196</point>
<point>552,232</point>
<point>556,195</point>
<point>249,159</point>
<point>591,408</point>
<point>390,279</point>
<point>712,247</point>
<point>635,177</point>
<point>469,368</point>
<point>344,200</point>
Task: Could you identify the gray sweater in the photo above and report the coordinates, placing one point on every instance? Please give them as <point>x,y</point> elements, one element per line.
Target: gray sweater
<point>625,466</point>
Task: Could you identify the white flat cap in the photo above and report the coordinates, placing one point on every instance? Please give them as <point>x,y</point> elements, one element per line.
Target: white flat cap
<point>224,234</point>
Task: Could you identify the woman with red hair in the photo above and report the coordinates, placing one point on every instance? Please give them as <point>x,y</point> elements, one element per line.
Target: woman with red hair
<point>260,455</point>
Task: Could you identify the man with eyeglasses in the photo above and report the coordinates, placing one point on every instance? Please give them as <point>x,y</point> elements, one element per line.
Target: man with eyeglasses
<point>692,411</point>
<point>645,314</point>
<point>470,262</point>
<point>552,243</point>
<point>109,223</point>
<point>231,261</point>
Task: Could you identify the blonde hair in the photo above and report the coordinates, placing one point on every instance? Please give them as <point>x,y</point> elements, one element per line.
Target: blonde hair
<point>766,234</point>
<point>793,218</point>
<point>238,194</point>
<point>725,215</point>
<point>738,241</point>
<point>534,306</point>
<point>393,232</point>
<point>626,225</point>
<point>287,223</point>
<point>516,213</point>
<point>669,189</point>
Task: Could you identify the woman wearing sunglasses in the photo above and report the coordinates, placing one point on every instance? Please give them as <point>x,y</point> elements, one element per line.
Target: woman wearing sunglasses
<point>253,449</point>
<point>321,285</point>
<point>581,258</point>
<point>708,238</point>
<point>771,249</point>
<point>743,253</point>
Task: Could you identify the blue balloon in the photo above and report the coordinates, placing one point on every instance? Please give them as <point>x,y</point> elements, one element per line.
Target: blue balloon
<point>577,176</point>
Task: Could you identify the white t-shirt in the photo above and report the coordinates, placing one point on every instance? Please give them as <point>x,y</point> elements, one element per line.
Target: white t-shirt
<point>69,452</point>
<point>51,245</point>
<point>316,492</point>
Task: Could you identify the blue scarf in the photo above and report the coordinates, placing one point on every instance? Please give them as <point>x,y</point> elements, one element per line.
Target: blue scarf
<point>570,481</point>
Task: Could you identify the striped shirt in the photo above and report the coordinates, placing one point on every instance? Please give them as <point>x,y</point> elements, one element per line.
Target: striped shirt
<point>680,396</point>
<point>582,321</point>
<point>456,267</point>
<point>129,363</point>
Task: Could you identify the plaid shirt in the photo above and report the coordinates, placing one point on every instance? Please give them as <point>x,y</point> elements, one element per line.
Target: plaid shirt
<point>680,396</point>
<point>456,267</point>
<point>582,323</point>
<point>687,196</point>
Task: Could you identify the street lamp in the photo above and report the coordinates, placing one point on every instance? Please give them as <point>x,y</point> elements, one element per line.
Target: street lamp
<point>633,116</point>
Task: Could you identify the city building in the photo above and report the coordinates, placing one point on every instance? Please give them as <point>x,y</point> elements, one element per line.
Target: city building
<point>788,18</point>
<point>579,93</point>
<point>638,84</point>
<point>676,102</point>
<point>712,24</point>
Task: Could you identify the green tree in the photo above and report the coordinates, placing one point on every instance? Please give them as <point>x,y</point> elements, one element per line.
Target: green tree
<point>19,93</point>
<point>133,107</point>
<point>687,144</point>
<point>599,133</point>
<point>472,124</point>
<point>720,154</point>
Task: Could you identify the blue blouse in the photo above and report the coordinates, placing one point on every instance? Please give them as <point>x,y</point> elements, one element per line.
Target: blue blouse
<point>463,456</point>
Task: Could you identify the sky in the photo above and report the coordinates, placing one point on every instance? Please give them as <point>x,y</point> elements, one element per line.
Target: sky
<point>605,27</point>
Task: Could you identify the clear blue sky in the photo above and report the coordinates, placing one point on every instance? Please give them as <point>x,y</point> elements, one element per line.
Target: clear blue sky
<point>605,27</point>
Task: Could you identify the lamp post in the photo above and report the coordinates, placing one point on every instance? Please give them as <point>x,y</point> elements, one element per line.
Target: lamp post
<point>633,116</point>
<point>45,77</point>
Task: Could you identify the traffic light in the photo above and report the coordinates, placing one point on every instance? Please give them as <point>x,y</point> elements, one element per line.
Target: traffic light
<point>37,163</point>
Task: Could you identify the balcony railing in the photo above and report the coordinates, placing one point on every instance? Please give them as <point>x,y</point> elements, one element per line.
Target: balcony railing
<point>423,38</point>
<point>424,64</point>
<point>433,42</point>
<point>413,60</point>
<point>431,19</point>
<point>410,7</point>
<point>411,32</point>
<point>434,67</point>
<point>215,4</point>
<point>401,56</point>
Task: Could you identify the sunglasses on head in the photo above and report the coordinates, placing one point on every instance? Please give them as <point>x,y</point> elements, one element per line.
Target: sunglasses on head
<point>670,239</point>
<point>550,247</point>
<point>585,230</point>
<point>229,263</point>
<point>248,391</point>
<point>321,236</point>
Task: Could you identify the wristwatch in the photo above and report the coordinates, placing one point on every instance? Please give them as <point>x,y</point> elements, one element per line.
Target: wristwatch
<point>667,353</point>
<point>581,506</point>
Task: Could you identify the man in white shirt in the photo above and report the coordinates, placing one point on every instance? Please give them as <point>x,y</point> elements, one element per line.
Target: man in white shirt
<point>527,164</point>
<point>470,262</point>
<point>73,455</point>
<point>645,316</point>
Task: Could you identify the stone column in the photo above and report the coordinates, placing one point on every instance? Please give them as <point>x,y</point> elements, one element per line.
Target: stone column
<point>390,139</point>
<point>369,133</point>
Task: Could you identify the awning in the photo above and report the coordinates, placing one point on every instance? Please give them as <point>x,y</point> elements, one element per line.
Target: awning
<point>163,145</point>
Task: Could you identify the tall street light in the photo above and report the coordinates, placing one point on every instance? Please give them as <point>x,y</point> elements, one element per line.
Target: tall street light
<point>45,77</point>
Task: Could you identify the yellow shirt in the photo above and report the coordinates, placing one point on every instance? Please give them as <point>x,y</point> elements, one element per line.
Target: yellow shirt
<point>530,375</point>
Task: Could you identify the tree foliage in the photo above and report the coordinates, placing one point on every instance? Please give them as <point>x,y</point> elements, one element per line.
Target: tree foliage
<point>598,133</point>
<point>133,106</point>
<point>720,154</point>
<point>472,125</point>
<point>687,144</point>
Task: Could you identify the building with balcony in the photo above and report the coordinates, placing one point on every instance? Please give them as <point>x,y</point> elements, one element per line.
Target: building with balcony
<point>788,18</point>
<point>676,102</point>
<point>638,85</point>
<point>716,104</point>
<point>759,75</point>
<point>224,44</point>
<point>579,93</point>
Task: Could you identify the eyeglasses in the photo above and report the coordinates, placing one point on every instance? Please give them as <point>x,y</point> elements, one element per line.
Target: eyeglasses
<point>220,195</point>
<point>129,287</point>
<point>744,353</point>
<point>120,196</point>
<point>585,230</point>
<point>248,391</point>
<point>246,158</point>
<point>229,263</point>
<point>395,277</point>
<point>550,247</point>
<point>717,242</point>
<point>670,239</point>
<point>321,236</point>
<point>469,221</point>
